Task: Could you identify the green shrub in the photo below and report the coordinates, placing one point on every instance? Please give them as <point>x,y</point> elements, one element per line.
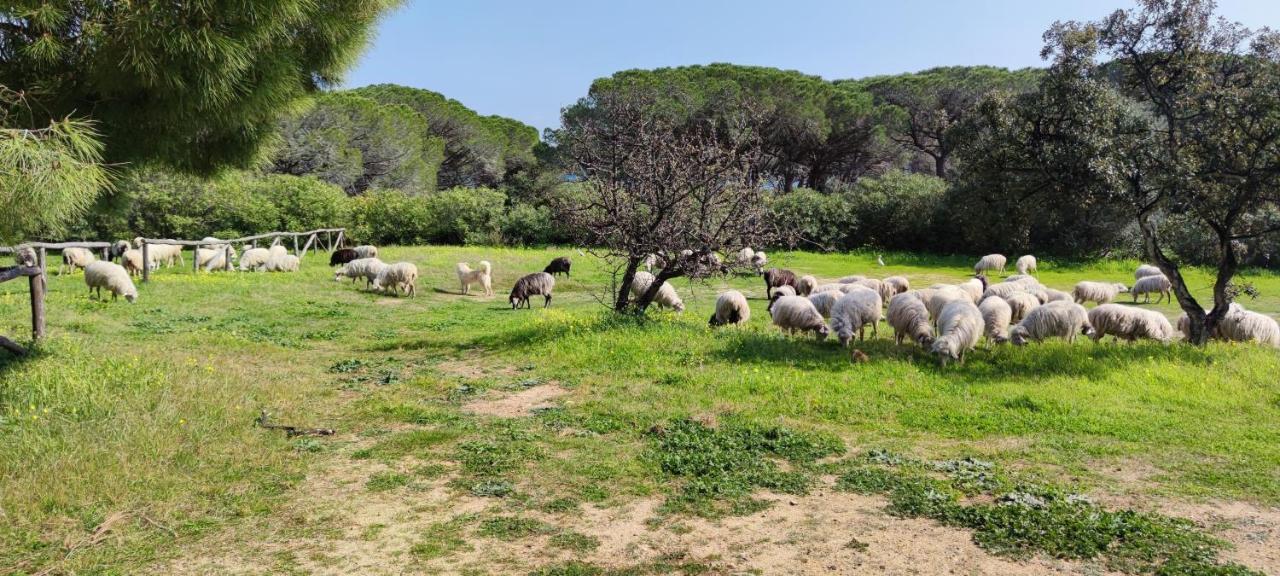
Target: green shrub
<point>466,216</point>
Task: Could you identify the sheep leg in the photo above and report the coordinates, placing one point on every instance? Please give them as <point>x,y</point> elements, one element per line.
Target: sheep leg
<point>547,302</point>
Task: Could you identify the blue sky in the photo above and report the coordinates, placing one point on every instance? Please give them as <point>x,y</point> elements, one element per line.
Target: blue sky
<point>528,58</point>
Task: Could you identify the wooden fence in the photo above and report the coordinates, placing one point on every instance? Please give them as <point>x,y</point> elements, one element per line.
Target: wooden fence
<point>36,281</point>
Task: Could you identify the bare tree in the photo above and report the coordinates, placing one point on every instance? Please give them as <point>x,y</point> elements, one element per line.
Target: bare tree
<point>678,190</point>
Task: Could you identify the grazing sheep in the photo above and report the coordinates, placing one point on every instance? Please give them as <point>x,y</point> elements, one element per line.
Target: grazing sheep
<point>1051,295</point>
<point>877,286</point>
<point>1021,304</point>
<point>1023,279</point>
<point>797,313</point>
<point>805,285</point>
<point>1129,323</point>
<point>102,274</point>
<point>1003,290</point>
<point>830,288</point>
<point>559,265</point>
<point>909,318</point>
<point>778,293</point>
<point>1053,320</point>
<point>940,297</point>
<point>1148,284</point>
<point>342,256</point>
<point>1240,325</point>
<point>277,250</point>
<point>996,316</point>
<point>538,283</point>
<point>169,254</point>
<point>667,297</point>
<point>974,287</point>
<point>731,308</point>
<point>775,277</point>
<point>26,256</point>
<point>397,277</point>
<point>853,312</point>
<point>990,262</point>
<point>898,284</point>
<point>1026,264</point>
<point>118,249</point>
<point>1145,270</point>
<point>213,258</point>
<point>649,262</point>
<point>254,259</point>
<point>744,257</point>
<point>823,301</point>
<point>483,276</point>
<point>366,251</point>
<point>132,262</point>
<point>959,329</point>
<point>288,263</point>
<point>851,279</point>
<point>759,260</point>
<point>74,258</point>
<point>367,268</point>
<point>1099,292</point>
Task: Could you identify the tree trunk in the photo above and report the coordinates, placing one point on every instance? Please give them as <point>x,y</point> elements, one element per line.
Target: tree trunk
<point>623,298</point>
<point>940,165</point>
<point>1199,325</point>
<point>667,273</point>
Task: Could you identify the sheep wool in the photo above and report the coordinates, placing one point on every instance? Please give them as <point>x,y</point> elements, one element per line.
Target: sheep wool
<point>898,284</point>
<point>132,261</point>
<point>102,274</point>
<point>169,254</point>
<point>401,276</point>
<point>75,258</point>
<point>667,297</point>
<point>797,313</point>
<point>759,260</point>
<point>367,268</point>
<point>805,285</point>
<point>1026,264</point>
<point>277,250</point>
<point>538,283</point>
<point>959,329</point>
<point>943,296</point>
<point>1129,323</point>
<point>1021,304</point>
<point>877,286</point>
<point>366,251</point>
<point>994,262</point>
<point>851,279</point>
<point>731,308</point>
<point>1240,325</point>
<point>909,318</point>
<point>1052,295</point>
<point>285,263</point>
<point>25,256</point>
<point>254,259</point>
<point>1145,270</point>
<point>853,312</point>
<point>1100,292</point>
<point>1147,285</point>
<point>823,301</point>
<point>996,316</point>
<point>778,293</point>
<point>973,287</point>
<point>1054,320</point>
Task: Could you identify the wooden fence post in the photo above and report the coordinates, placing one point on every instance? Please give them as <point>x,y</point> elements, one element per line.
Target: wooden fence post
<point>307,246</point>
<point>226,258</point>
<point>341,233</point>
<point>146,262</point>
<point>37,307</point>
<point>295,247</point>
<point>195,259</point>
<point>40,258</point>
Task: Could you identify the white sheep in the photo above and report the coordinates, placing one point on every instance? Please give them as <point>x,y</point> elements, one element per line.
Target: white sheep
<point>214,258</point>
<point>649,262</point>
<point>959,328</point>
<point>1052,320</point>
<point>1004,290</point>
<point>830,288</point>
<point>1023,279</point>
<point>1240,325</point>
<point>1100,292</point>
<point>824,301</point>
<point>759,260</point>
<point>277,250</point>
<point>483,277</point>
<point>731,308</point>
<point>879,287</point>
<point>169,254</point>
<point>853,312</point>
<point>1158,284</point>
<point>805,285</point>
<point>397,277</point>
<point>990,262</point>
<point>973,287</point>
<point>367,268</point>
<point>940,297</point>
<point>1129,323</point>
<point>284,263</point>
<point>1052,295</point>
<point>132,261</point>
<point>909,318</point>
<point>1026,264</point>
<point>852,279</point>
<point>254,259</point>
<point>744,257</point>
<point>1145,270</point>
<point>797,313</point>
<point>102,274</point>
<point>778,293</point>
<point>996,316</point>
<point>1021,304</point>
<point>898,284</point>
<point>667,297</point>
<point>26,256</point>
<point>366,251</point>
<point>74,258</point>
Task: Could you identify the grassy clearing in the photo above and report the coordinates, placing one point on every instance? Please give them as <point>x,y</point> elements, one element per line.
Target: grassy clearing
<point>146,411</point>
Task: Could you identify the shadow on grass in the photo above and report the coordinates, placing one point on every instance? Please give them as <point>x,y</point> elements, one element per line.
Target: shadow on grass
<point>808,353</point>
<point>10,362</point>
<point>1084,358</point>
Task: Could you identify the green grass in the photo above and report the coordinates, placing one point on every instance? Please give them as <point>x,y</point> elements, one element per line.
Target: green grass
<point>148,409</point>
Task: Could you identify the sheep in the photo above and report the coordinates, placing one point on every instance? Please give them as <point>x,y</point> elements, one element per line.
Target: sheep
<point>102,274</point>
<point>1145,270</point>
<point>805,285</point>
<point>342,256</point>
<point>1147,284</point>
<point>974,287</point>
<point>830,288</point>
<point>538,283</point>
<point>1240,325</point>
<point>959,328</point>
<point>1056,319</point>
<point>1052,295</point>
<point>1003,290</point>
<point>26,256</point>
<point>853,312</point>
<point>996,316</point>
<point>214,258</point>
<point>759,260</point>
<point>899,284</point>
<point>277,250</point>
<point>1026,264</point>
<point>1023,279</point>
<point>397,277</point>
<point>1128,323</point>
<point>1100,292</point>
<point>132,261</point>
<point>1021,304</point>
<point>649,262</point>
<point>366,251</point>
<point>775,277</point>
<point>744,257</point>
<point>877,286</point>
<point>667,297</point>
<point>940,297</point>
<point>367,268</point>
<point>909,318</point>
<point>118,249</point>
<point>851,279</point>
<point>778,293</point>
<point>483,276</point>
<point>823,301</point>
<point>169,254</point>
<point>287,263</point>
<point>990,262</point>
<point>793,313</point>
<point>731,308</point>
<point>560,265</point>
<point>254,259</point>
<point>73,258</point>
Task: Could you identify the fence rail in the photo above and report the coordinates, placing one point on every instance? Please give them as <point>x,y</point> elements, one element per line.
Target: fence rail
<point>35,279</point>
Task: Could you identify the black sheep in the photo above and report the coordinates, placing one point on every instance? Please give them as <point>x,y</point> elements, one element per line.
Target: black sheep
<point>558,265</point>
<point>342,256</point>
<point>777,277</point>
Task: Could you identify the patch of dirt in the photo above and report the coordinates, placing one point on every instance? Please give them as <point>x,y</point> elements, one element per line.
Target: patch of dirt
<point>1253,531</point>
<point>474,371</point>
<point>519,404</point>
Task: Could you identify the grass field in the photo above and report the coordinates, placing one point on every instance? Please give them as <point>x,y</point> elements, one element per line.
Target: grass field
<point>127,443</point>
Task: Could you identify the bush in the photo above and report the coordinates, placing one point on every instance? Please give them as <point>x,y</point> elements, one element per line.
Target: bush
<point>527,225</point>
<point>811,219</point>
<point>304,203</point>
<point>466,215</point>
<point>895,211</point>
<point>390,217</point>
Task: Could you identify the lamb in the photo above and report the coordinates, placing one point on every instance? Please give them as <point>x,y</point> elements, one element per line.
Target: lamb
<point>1021,304</point>
<point>102,274</point>
<point>254,259</point>
<point>1129,323</point>
<point>342,256</point>
<point>823,301</point>
<point>805,285</point>
<point>775,277</point>
<point>1099,292</point>
<point>990,262</point>
<point>667,297</point>
<point>73,258</point>
<point>538,283</point>
<point>560,265</point>
<point>1145,270</point>
<point>996,316</point>
<point>797,313</point>
<point>483,276</point>
<point>287,263</point>
<point>397,277</point>
<point>366,251</point>
<point>898,284</point>
<point>367,268</point>
<point>1240,325</point>
<point>853,312</point>
<point>1026,264</point>
<point>778,293</point>
<point>909,318</point>
<point>759,260</point>
<point>1056,319</point>
<point>731,308</point>
<point>959,328</point>
<point>1147,284</point>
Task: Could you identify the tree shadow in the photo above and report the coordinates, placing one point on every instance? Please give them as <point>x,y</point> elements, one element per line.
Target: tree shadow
<point>1083,359</point>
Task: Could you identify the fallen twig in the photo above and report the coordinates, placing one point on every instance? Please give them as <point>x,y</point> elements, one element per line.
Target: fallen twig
<point>291,431</point>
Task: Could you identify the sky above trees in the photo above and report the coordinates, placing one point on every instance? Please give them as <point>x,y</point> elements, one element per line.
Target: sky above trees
<point>527,60</point>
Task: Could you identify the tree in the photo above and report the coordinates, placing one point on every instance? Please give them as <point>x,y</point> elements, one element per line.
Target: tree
<point>196,85</point>
<point>658,184</point>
